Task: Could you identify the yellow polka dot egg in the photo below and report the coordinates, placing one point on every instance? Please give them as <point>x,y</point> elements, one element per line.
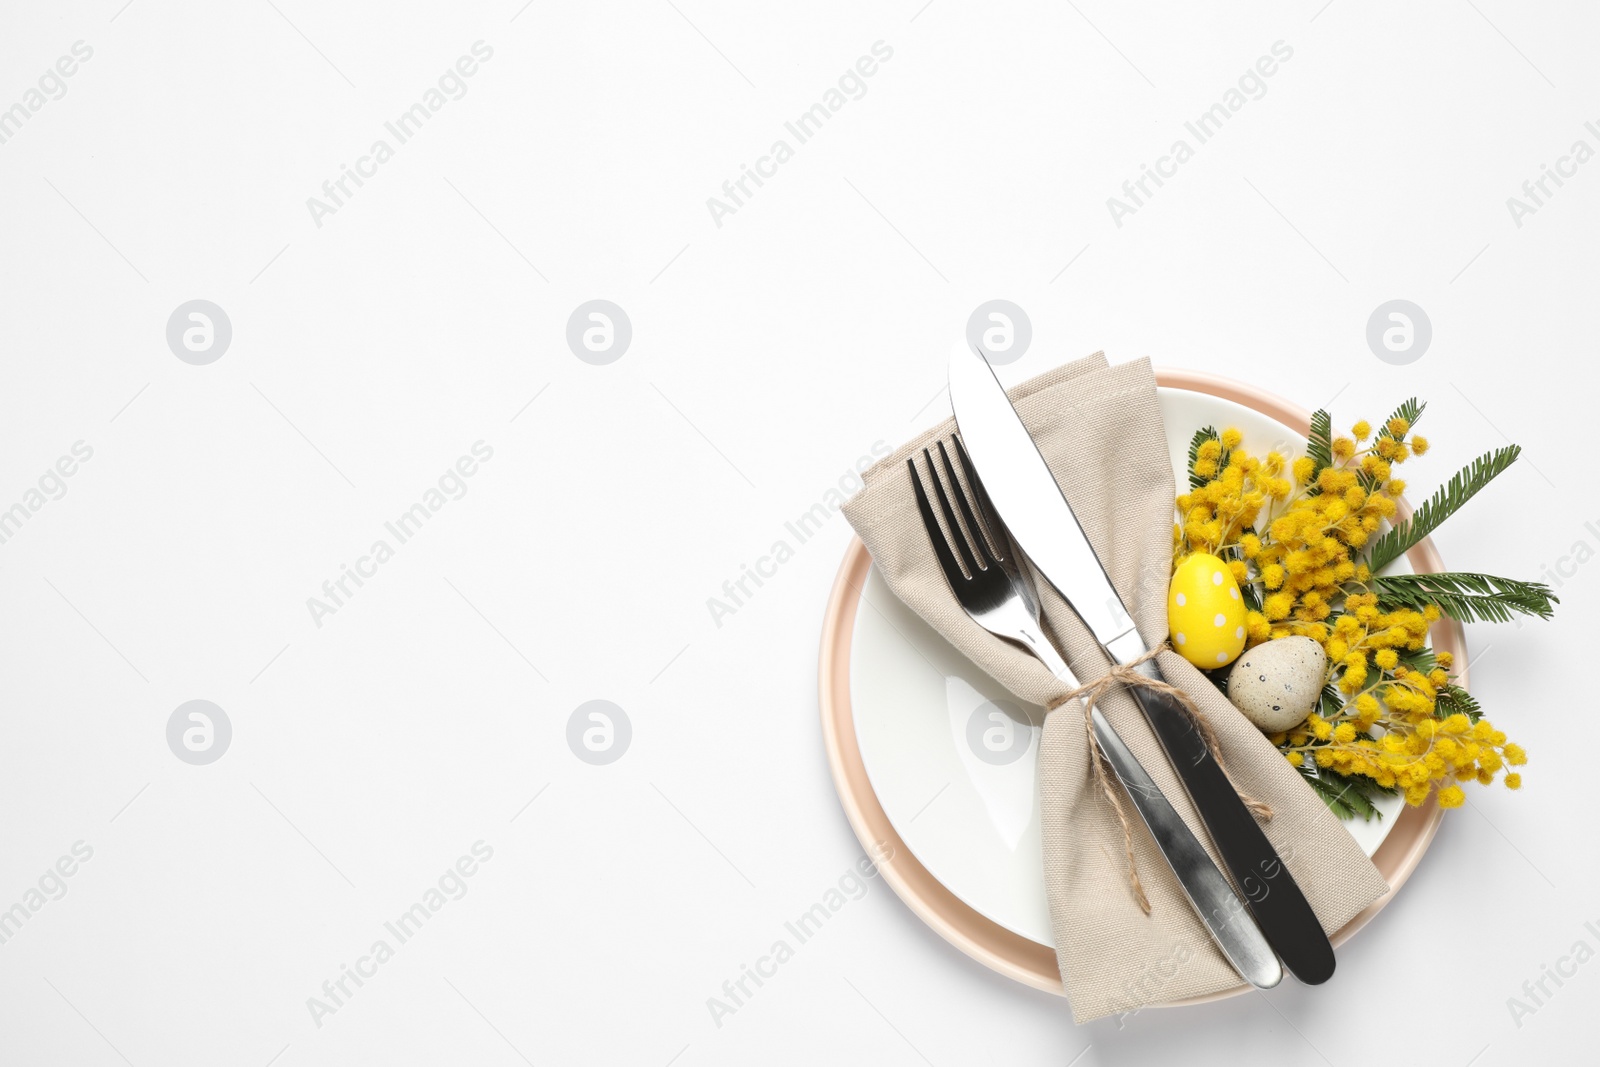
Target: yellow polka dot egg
<point>1205,612</point>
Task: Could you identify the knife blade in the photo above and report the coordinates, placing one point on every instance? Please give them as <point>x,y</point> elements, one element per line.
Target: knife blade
<point>1042,522</point>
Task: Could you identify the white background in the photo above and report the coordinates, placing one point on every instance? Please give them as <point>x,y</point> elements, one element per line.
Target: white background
<point>768,354</point>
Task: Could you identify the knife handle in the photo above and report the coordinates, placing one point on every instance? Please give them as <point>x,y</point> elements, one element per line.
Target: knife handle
<point>1281,909</point>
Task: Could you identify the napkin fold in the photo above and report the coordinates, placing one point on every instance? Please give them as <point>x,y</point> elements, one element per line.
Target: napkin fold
<point>1101,433</point>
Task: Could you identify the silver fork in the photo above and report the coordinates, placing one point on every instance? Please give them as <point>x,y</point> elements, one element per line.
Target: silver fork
<point>997,592</point>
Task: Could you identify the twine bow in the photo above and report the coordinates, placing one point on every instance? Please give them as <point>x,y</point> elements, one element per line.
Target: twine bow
<point>1127,674</point>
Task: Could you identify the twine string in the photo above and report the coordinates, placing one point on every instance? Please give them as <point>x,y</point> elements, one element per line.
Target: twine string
<point>1127,674</point>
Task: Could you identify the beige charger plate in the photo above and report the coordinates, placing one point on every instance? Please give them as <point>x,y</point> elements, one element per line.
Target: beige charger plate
<point>983,939</point>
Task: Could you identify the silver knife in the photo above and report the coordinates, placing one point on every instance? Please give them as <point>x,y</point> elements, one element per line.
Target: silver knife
<point>1042,523</point>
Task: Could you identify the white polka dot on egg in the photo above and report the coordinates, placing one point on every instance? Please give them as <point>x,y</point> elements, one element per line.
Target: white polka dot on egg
<point>1239,632</point>
<point>1220,620</point>
<point>1182,600</point>
<point>1234,592</point>
<point>1183,639</point>
<point>1222,657</point>
<point>1216,577</point>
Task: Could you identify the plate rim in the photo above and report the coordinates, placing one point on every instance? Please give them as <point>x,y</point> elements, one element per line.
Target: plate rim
<point>1001,950</point>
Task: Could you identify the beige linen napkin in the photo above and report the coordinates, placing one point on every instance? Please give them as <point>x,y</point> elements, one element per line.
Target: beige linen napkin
<point>1101,433</point>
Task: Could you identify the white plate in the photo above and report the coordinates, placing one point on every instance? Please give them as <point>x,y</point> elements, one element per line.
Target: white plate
<point>953,757</point>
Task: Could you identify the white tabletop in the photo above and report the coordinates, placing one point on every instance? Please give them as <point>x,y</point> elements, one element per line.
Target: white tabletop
<point>413,759</point>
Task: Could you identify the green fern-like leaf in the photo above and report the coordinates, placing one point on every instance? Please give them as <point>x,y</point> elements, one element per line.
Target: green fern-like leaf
<point>1320,448</point>
<point>1422,660</point>
<point>1445,502</point>
<point>1200,438</point>
<point>1453,699</point>
<point>1251,594</point>
<point>1466,596</point>
<point>1333,799</point>
<point>1411,411</point>
<point>1346,795</point>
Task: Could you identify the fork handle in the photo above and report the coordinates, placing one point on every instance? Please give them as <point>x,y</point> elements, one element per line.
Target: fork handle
<point>1046,653</point>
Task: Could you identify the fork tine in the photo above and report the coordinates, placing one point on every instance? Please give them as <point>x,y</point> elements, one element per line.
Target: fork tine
<point>960,542</point>
<point>941,549</point>
<point>975,533</point>
<point>991,517</point>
